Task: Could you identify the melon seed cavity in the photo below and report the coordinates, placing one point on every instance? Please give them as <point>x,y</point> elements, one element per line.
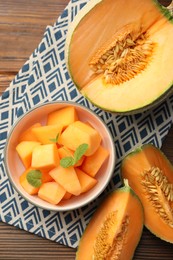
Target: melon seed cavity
<point>122,58</point>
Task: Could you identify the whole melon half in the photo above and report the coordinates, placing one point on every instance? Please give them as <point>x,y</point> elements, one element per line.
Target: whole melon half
<point>120,53</point>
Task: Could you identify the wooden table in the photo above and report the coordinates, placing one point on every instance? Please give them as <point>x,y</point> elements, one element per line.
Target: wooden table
<point>22,24</point>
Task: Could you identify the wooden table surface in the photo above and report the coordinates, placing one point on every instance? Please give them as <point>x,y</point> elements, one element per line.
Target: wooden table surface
<point>22,24</point>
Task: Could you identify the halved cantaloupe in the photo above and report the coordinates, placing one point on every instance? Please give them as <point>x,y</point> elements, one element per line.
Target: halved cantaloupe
<point>51,192</point>
<point>93,163</point>
<point>27,135</point>
<point>124,63</point>
<point>67,178</point>
<point>86,181</point>
<point>47,134</point>
<point>24,150</point>
<point>115,229</point>
<point>64,116</point>
<point>45,157</point>
<point>65,152</point>
<point>78,133</point>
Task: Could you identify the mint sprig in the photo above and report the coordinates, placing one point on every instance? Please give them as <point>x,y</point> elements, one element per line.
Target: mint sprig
<point>34,178</point>
<point>71,161</point>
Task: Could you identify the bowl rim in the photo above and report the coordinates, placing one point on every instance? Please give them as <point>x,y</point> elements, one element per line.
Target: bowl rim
<point>60,208</point>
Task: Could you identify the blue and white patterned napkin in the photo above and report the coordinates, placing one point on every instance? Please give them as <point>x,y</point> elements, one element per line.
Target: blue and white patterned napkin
<point>44,77</point>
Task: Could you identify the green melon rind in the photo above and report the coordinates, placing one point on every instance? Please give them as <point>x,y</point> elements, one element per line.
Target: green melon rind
<point>164,10</point>
<point>138,150</point>
<point>125,188</point>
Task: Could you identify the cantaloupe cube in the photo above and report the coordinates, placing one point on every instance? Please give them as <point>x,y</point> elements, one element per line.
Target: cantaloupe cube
<point>78,133</point>
<point>86,181</point>
<point>93,163</point>
<point>65,152</point>
<point>27,135</point>
<point>45,157</point>
<point>67,178</point>
<point>46,177</point>
<point>64,116</point>
<point>24,150</point>
<point>47,134</point>
<point>67,196</point>
<point>26,185</point>
<point>51,192</point>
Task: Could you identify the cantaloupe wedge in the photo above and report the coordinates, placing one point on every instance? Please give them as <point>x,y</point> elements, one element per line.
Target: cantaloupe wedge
<point>26,185</point>
<point>67,196</point>
<point>78,133</point>
<point>93,163</point>
<point>67,178</point>
<point>24,150</point>
<point>64,116</point>
<point>65,152</point>
<point>51,192</point>
<point>28,135</point>
<point>45,157</point>
<point>86,181</point>
<point>47,134</point>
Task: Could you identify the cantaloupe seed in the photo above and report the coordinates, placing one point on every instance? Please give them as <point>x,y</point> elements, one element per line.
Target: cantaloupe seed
<point>108,244</point>
<point>160,192</point>
<point>123,57</point>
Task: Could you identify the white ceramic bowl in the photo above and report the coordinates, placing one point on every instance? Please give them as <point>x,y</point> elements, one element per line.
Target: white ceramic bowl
<point>14,167</point>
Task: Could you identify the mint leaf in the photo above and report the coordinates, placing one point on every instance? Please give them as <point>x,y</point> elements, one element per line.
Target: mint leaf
<point>34,178</point>
<point>80,151</point>
<point>54,140</point>
<point>70,161</point>
<point>67,162</point>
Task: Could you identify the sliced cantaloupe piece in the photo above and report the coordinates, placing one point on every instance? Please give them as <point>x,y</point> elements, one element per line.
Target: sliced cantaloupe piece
<point>46,177</point>
<point>65,152</point>
<point>86,181</point>
<point>45,157</point>
<point>67,196</point>
<point>47,134</point>
<point>93,163</point>
<point>64,116</point>
<point>78,133</point>
<point>67,178</point>
<point>24,150</point>
<point>26,185</point>
<point>51,192</point>
<point>27,135</point>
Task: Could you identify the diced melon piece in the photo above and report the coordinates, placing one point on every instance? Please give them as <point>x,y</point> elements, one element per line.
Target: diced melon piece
<point>67,196</point>
<point>93,163</point>
<point>64,116</point>
<point>51,192</point>
<point>47,134</point>
<point>26,185</point>
<point>65,152</point>
<point>87,182</point>
<point>46,177</point>
<point>45,157</point>
<point>24,150</point>
<point>28,135</point>
<point>78,133</point>
<point>67,178</point>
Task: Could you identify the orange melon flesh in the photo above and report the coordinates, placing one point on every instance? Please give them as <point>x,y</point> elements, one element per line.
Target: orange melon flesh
<point>67,178</point>
<point>26,185</point>
<point>51,192</point>
<point>27,135</point>
<point>65,152</point>
<point>132,167</point>
<point>125,203</point>
<point>67,196</point>
<point>78,133</point>
<point>98,26</point>
<point>47,134</point>
<point>24,150</point>
<point>86,181</point>
<point>45,157</point>
<point>64,117</point>
<point>93,163</point>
